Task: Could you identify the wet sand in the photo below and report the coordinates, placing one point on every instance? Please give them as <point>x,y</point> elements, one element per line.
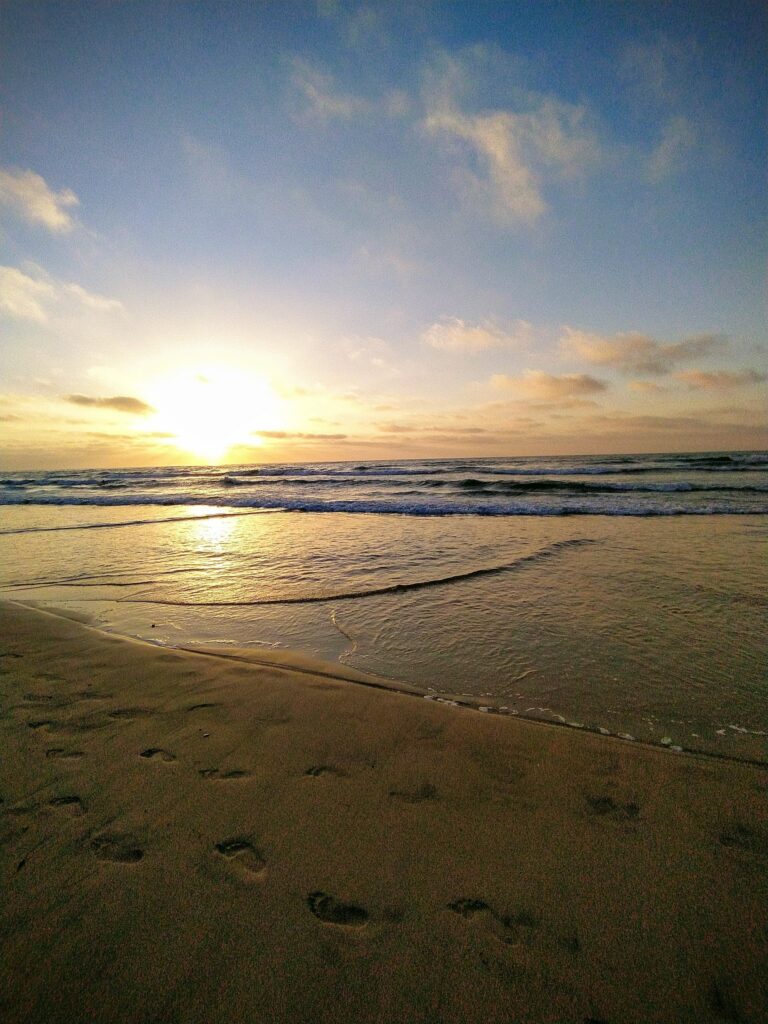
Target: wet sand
<point>189,838</point>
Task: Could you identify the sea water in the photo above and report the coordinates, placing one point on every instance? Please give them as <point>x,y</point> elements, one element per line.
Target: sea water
<point>624,594</point>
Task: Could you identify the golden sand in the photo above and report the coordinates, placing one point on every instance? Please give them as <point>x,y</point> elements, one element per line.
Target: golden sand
<point>195,839</point>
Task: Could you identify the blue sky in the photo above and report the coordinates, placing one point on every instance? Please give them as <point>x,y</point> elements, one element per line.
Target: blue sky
<point>402,230</point>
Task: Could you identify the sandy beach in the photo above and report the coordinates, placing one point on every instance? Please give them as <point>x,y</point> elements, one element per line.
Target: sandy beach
<point>191,838</point>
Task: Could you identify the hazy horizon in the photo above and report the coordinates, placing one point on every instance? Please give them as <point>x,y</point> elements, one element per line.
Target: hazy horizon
<point>469,457</point>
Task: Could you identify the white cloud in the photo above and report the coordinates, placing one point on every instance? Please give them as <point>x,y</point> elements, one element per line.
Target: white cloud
<point>453,335</point>
<point>39,297</point>
<point>22,297</point>
<point>634,352</point>
<point>517,150</point>
<point>677,139</point>
<point>97,302</point>
<point>547,387</point>
<point>509,187</point>
<point>32,199</point>
<point>320,99</point>
<point>720,380</point>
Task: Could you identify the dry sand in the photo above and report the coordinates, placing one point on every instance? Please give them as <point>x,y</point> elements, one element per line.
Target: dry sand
<point>186,838</point>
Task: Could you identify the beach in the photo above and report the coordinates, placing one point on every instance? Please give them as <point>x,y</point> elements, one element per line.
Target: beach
<point>264,837</point>
<point>383,513</point>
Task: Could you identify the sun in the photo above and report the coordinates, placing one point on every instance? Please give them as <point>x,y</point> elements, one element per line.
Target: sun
<point>209,410</point>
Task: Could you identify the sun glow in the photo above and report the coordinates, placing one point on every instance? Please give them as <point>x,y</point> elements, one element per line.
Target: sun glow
<point>209,410</point>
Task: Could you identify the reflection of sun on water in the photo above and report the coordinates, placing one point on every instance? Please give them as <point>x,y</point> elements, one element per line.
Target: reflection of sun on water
<point>209,540</point>
<point>212,533</point>
<point>211,410</point>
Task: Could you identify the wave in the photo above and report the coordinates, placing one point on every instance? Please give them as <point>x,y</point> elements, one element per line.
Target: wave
<point>705,483</point>
<point>434,476</point>
<point>582,487</point>
<point>474,484</point>
<point>395,588</point>
<point>391,506</point>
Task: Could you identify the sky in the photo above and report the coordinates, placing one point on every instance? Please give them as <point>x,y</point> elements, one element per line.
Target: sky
<point>295,231</point>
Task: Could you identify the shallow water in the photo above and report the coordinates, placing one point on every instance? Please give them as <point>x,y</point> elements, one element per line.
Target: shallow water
<point>652,627</point>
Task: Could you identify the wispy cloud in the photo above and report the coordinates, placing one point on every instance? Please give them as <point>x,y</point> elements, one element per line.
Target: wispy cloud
<point>656,67</point>
<point>319,99</point>
<point>548,387</point>
<point>656,70</point>
<point>37,296</point>
<point>118,403</point>
<point>677,139</point>
<point>454,335</point>
<point>720,380</point>
<point>286,435</point>
<point>30,197</point>
<point>361,24</point>
<point>637,353</point>
<point>370,351</point>
<point>510,153</point>
<point>430,428</point>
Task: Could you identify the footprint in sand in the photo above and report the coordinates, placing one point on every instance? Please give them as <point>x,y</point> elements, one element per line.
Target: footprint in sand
<point>316,770</point>
<point>243,856</point>
<point>218,775</point>
<point>130,713</point>
<point>332,911</point>
<point>603,806</point>
<point>63,754</point>
<point>157,754</point>
<point>71,803</point>
<point>415,796</point>
<point>742,837</point>
<point>119,849</point>
<point>41,723</point>
<point>512,929</point>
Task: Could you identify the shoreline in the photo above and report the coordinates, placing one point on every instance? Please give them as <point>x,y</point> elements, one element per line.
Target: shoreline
<point>291,659</point>
<point>187,838</point>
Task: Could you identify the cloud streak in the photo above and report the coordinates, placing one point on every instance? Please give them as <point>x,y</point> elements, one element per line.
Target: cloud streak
<point>118,403</point>
<point>719,380</point>
<point>285,435</point>
<point>548,387</point>
<point>634,352</point>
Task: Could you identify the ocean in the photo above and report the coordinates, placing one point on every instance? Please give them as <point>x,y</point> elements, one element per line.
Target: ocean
<point>623,594</point>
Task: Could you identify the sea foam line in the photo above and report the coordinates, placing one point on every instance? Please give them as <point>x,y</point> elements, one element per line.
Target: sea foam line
<point>139,522</point>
